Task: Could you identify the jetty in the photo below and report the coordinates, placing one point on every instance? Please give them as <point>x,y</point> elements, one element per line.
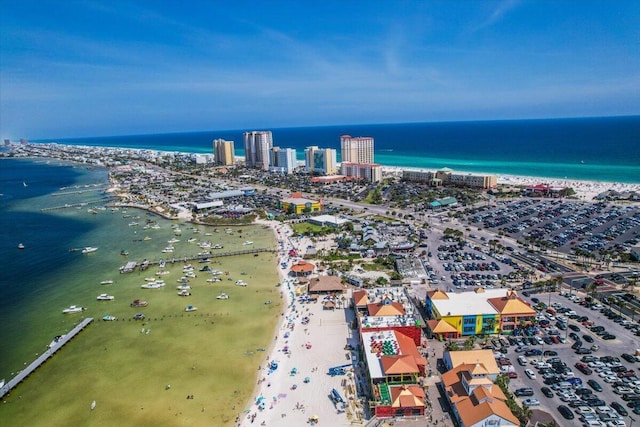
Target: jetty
<point>43,357</point>
<point>131,265</point>
<point>75,205</point>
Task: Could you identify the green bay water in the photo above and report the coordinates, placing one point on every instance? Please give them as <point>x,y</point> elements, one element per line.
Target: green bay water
<point>37,283</point>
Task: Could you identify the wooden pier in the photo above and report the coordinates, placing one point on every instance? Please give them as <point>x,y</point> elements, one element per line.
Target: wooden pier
<point>146,263</point>
<point>43,357</point>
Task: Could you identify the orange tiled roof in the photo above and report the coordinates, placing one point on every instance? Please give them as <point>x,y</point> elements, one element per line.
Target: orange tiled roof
<point>403,364</point>
<point>407,396</point>
<point>303,267</point>
<point>437,294</point>
<point>511,304</point>
<point>440,327</point>
<point>360,298</point>
<point>392,309</point>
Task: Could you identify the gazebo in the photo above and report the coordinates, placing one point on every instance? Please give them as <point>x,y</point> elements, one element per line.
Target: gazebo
<point>302,269</point>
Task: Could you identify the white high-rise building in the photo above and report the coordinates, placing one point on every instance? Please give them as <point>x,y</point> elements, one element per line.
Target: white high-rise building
<point>356,150</point>
<point>257,149</point>
<point>283,160</point>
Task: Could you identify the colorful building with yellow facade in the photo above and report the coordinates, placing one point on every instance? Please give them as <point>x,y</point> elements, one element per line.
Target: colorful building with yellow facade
<point>296,204</point>
<point>481,312</point>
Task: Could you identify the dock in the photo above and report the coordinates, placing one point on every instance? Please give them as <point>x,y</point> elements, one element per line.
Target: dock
<point>131,265</point>
<point>43,357</point>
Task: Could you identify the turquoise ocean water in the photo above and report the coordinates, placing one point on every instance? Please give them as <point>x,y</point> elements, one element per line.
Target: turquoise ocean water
<point>594,149</point>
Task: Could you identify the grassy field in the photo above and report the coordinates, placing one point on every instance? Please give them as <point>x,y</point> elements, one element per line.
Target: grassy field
<point>125,366</point>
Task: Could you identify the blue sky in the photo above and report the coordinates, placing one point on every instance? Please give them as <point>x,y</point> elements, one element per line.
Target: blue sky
<point>90,68</point>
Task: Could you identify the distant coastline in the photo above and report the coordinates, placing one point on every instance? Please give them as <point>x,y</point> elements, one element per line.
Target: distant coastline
<point>603,149</point>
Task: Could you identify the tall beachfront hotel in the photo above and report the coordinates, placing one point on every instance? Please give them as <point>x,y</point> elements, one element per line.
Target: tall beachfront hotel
<point>257,149</point>
<point>223,152</point>
<point>356,150</point>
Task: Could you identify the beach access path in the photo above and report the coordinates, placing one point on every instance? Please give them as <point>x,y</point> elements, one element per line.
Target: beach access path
<point>301,351</point>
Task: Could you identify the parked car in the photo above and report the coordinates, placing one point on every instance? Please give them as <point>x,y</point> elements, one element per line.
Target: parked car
<point>619,409</point>
<point>525,391</point>
<point>530,374</point>
<point>547,392</point>
<point>594,385</point>
<point>532,401</point>
<point>566,412</point>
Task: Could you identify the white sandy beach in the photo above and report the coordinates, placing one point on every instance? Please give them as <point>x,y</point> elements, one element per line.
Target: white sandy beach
<point>585,190</point>
<point>282,396</point>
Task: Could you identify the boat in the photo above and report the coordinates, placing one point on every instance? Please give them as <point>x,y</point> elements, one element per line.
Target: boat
<point>241,283</point>
<point>190,308</point>
<point>214,279</point>
<point>139,303</point>
<point>247,243</point>
<point>73,309</point>
<point>174,240</point>
<point>162,273</point>
<point>124,252</point>
<point>162,264</point>
<point>218,246</point>
<point>183,287</point>
<point>184,293</point>
<point>89,249</point>
<point>105,297</point>
<point>222,296</point>
<point>146,238</point>
<point>24,184</point>
<point>107,282</point>
<point>149,279</point>
<point>168,250</point>
<point>20,246</point>
<point>192,240</point>
<point>108,318</point>
<point>152,285</point>
<point>55,340</point>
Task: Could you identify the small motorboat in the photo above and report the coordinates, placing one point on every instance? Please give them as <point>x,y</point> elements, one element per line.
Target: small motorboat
<point>223,296</point>
<point>107,282</point>
<point>190,308</point>
<point>108,318</point>
<point>73,309</point>
<point>20,245</point>
<point>105,297</point>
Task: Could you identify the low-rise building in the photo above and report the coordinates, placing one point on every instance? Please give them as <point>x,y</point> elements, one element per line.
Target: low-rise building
<point>297,204</point>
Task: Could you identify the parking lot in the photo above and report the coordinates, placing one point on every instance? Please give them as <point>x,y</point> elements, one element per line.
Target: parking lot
<point>564,225</point>
<point>604,365</point>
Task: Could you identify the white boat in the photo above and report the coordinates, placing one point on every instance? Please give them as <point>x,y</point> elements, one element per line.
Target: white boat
<point>192,240</point>
<point>149,279</point>
<point>152,285</point>
<point>184,293</point>
<point>105,297</point>
<point>214,279</point>
<point>162,273</point>
<point>73,309</point>
<point>247,243</point>
<point>162,264</point>
<point>190,308</point>
<point>183,287</point>
<point>20,245</point>
<point>108,318</point>
<point>89,249</point>
<point>174,240</point>
<point>218,246</point>
<point>107,282</point>
<point>241,283</point>
<point>223,296</point>
<point>168,250</point>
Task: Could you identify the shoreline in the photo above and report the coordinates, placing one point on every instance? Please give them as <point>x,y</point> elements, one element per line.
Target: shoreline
<point>388,168</point>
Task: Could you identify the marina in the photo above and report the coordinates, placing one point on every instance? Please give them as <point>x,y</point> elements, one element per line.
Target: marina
<point>43,357</point>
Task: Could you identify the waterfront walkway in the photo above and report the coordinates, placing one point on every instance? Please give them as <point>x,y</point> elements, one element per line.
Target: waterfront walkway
<point>43,357</point>
<point>147,263</point>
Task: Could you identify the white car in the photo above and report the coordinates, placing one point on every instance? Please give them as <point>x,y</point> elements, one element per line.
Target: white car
<point>530,374</point>
<point>531,402</point>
